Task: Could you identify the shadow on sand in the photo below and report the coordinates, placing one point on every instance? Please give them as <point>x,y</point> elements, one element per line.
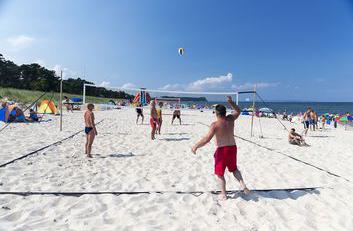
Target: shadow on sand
<point>321,136</point>
<point>118,155</point>
<point>175,133</point>
<point>175,139</point>
<point>275,194</point>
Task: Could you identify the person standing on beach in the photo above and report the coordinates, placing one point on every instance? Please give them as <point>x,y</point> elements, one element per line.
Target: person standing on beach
<point>307,118</point>
<point>90,129</point>
<point>176,114</point>
<point>153,120</point>
<point>312,120</point>
<point>159,117</point>
<point>139,111</point>
<point>226,152</point>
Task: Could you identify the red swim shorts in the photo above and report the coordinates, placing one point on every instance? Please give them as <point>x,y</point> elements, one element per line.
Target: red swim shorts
<point>225,157</point>
<point>153,122</point>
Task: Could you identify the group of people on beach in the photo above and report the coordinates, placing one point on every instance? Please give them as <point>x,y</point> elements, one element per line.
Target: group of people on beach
<point>222,129</point>
<point>15,114</point>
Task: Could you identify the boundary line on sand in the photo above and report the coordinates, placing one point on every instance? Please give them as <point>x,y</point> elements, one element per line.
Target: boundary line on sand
<point>118,193</point>
<point>289,156</point>
<point>43,148</point>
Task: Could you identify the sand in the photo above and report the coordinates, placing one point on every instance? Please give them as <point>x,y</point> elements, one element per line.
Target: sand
<point>126,160</point>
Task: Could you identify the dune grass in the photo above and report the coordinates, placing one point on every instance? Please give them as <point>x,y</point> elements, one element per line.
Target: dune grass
<point>28,96</point>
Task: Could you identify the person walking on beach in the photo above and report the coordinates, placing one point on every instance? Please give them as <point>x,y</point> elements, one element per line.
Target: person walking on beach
<point>90,129</point>
<point>226,152</point>
<point>153,120</point>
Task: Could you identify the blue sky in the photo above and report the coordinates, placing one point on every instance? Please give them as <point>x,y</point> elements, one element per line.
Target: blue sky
<point>292,50</point>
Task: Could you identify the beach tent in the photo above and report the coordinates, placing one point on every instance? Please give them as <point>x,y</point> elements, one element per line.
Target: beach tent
<point>47,107</point>
<point>7,111</point>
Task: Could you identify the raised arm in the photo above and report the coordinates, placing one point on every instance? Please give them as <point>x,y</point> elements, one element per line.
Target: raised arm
<point>236,112</point>
<point>205,139</point>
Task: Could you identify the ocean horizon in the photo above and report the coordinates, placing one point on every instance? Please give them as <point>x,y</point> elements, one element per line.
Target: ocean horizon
<point>298,106</point>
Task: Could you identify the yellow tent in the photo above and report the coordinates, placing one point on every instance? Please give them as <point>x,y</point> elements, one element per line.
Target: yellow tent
<point>47,107</point>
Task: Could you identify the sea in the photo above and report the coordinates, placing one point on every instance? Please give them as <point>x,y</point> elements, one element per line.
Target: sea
<point>296,107</point>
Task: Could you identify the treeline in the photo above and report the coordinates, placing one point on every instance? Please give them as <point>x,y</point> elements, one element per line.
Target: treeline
<point>35,77</point>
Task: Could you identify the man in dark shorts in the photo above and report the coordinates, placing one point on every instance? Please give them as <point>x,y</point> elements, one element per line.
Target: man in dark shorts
<point>139,111</point>
<point>90,129</point>
<point>176,114</point>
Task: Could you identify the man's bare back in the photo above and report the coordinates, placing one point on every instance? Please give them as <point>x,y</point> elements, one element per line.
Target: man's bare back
<point>224,131</point>
<point>89,119</point>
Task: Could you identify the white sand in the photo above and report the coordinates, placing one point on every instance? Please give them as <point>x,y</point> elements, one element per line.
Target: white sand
<point>126,160</point>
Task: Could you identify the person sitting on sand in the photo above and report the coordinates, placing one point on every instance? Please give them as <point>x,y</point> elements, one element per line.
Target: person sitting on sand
<point>295,138</point>
<point>139,111</point>
<point>159,115</point>
<point>226,152</point>
<point>19,116</point>
<point>33,117</point>
<point>69,105</point>
<point>153,120</point>
<point>176,114</point>
<point>90,129</point>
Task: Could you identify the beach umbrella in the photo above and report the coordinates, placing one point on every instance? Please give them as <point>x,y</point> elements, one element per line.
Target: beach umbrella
<point>265,109</point>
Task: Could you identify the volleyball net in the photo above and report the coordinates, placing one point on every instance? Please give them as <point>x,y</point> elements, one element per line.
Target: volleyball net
<point>169,98</point>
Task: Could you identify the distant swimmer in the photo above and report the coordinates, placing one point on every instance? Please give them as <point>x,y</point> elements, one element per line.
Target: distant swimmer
<point>153,120</point>
<point>90,129</point>
<point>139,111</point>
<point>295,138</point>
<point>176,114</point>
<point>226,152</point>
<point>159,115</point>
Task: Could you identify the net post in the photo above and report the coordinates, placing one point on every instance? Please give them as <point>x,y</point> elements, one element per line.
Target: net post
<point>61,100</point>
<point>84,94</point>
<point>253,111</point>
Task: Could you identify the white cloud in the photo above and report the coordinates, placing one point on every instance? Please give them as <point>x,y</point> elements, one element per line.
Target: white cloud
<point>172,87</point>
<point>210,82</point>
<point>128,85</point>
<point>104,84</point>
<point>250,86</point>
<point>20,41</point>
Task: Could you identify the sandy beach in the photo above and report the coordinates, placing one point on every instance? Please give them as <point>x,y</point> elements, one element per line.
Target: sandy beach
<point>126,160</point>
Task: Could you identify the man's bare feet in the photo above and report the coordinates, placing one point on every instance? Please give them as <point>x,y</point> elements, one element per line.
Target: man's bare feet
<point>246,190</point>
<point>89,156</point>
<point>222,197</point>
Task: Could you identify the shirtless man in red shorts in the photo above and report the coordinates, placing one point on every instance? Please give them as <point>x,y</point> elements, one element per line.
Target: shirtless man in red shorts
<point>153,120</point>
<point>226,152</point>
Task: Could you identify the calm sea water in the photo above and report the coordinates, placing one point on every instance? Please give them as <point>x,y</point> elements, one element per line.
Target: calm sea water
<point>296,107</point>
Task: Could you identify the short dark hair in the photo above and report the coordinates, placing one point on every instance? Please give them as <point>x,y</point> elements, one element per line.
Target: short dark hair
<point>90,105</point>
<point>293,130</point>
<point>221,110</point>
